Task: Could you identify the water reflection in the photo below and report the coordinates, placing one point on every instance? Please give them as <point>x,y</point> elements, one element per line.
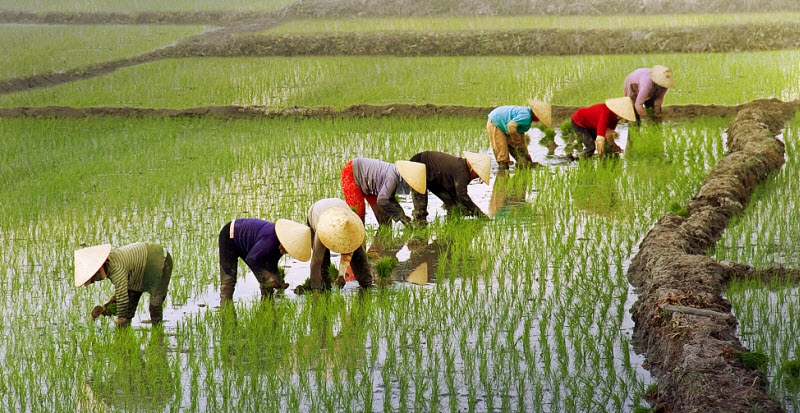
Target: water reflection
<point>127,378</point>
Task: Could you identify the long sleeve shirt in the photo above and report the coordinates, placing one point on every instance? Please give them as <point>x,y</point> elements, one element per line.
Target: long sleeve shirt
<point>596,117</point>
<point>259,244</point>
<point>449,174</point>
<point>135,267</point>
<point>381,179</point>
<point>521,118</point>
<point>640,87</point>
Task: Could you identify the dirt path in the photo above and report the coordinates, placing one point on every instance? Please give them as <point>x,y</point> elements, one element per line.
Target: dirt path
<point>683,324</point>
<point>560,113</point>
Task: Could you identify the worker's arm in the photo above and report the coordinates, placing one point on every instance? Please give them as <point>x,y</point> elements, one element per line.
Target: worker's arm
<point>641,97</point>
<point>260,262</point>
<point>461,181</point>
<point>388,205</point>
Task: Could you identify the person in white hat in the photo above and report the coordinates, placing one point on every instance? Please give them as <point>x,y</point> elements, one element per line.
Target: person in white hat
<point>646,87</point>
<point>507,126</point>
<point>595,124</point>
<point>133,269</point>
<point>335,227</point>
<point>261,244</point>
<point>447,177</point>
<point>376,182</point>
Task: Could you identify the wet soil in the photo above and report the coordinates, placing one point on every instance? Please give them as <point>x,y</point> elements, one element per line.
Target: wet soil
<point>237,39</point>
<point>683,323</point>
<point>560,113</point>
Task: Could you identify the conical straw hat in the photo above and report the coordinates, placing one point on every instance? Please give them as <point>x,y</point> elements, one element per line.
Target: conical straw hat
<point>88,261</point>
<point>481,164</point>
<point>662,76</point>
<point>295,238</point>
<point>543,111</point>
<point>340,230</point>
<point>414,174</point>
<point>622,107</point>
<point>420,275</point>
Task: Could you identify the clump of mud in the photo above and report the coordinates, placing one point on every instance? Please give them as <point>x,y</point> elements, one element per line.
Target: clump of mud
<point>683,324</point>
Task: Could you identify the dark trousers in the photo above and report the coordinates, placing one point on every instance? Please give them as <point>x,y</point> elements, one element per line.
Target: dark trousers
<point>587,137</point>
<point>358,262</point>
<point>229,255</point>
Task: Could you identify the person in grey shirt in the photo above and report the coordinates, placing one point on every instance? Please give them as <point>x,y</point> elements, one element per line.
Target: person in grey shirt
<point>376,182</point>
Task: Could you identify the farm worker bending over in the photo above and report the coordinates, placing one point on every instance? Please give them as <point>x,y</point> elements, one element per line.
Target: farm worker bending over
<point>133,269</point>
<point>335,227</point>
<point>646,87</point>
<point>261,244</point>
<point>447,177</point>
<point>376,182</point>
<point>595,124</point>
<point>507,126</point>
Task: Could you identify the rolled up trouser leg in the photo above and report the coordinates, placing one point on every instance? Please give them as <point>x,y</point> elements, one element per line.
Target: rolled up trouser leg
<point>228,264</point>
<point>499,142</point>
<point>160,294</point>
<point>587,139</point>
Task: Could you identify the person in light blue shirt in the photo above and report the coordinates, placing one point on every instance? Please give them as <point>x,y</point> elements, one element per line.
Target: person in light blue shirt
<point>507,126</point>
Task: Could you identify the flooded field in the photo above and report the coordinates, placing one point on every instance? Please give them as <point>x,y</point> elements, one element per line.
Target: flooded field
<point>527,310</point>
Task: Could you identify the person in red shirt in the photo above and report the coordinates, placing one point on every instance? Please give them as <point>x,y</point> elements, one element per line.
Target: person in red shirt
<point>595,124</point>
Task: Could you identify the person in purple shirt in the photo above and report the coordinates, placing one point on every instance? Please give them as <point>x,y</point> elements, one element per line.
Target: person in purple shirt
<point>260,244</point>
<point>647,87</point>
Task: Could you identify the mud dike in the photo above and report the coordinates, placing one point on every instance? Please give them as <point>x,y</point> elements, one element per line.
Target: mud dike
<point>683,324</point>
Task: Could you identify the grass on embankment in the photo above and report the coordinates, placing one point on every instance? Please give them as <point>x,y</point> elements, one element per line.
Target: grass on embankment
<point>493,23</point>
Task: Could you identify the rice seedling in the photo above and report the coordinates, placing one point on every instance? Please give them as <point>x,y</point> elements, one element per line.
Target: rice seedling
<point>472,81</point>
<point>526,308</point>
<point>42,49</point>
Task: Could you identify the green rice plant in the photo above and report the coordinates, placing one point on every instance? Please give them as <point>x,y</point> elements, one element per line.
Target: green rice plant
<point>384,267</point>
<point>470,81</point>
<point>43,49</point>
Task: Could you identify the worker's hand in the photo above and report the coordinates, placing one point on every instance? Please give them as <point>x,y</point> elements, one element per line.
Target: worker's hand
<point>97,311</point>
<point>274,282</point>
<point>615,148</point>
<point>659,117</point>
<point>600,143</point>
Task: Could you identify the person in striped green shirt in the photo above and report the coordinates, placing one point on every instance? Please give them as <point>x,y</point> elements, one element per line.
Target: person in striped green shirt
<point>133,269</point>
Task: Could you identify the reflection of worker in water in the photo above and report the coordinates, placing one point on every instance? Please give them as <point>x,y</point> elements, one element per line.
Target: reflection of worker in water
<point>133,269</point>
<point>375,181</point>
<point>646,87</point>
<point>447,177</point>
<point>502,196</point>
<point>507,126</point>
<point>130,379</point>
<point>595,124</point>
<point>261,244</point>
<point>423,262</point>
<point>335,227</point>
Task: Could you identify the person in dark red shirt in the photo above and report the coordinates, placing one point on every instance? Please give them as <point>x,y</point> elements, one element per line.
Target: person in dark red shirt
<point>595,124</point>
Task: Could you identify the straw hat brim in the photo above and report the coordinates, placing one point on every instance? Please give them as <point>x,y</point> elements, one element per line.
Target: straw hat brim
<point>420,275</point>
<point>414,174</point>
<point>543,111</point>
<point>88,261</point>
<point>481,164</point>
<point>295,238</point>
<point>340,230</point>
<point>662,76</point>
<point>622,107</point>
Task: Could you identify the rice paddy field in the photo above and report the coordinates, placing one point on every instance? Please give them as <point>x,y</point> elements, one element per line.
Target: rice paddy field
<point>527,310</point>
<point>43,49</point>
